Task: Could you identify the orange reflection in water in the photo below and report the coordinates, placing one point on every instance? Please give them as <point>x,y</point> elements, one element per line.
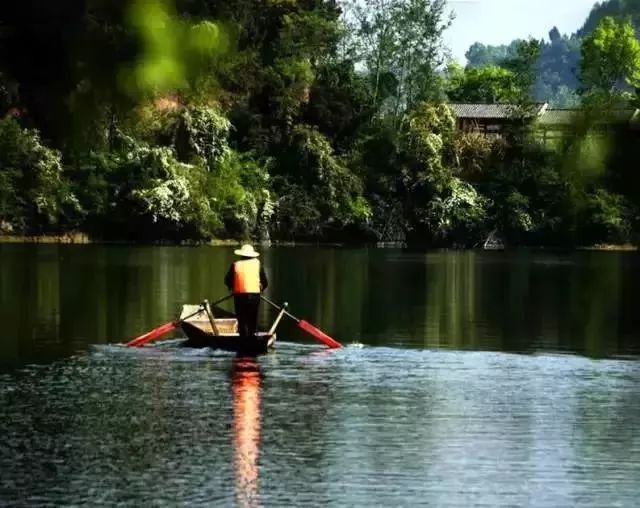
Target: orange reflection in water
<point>246,429</point>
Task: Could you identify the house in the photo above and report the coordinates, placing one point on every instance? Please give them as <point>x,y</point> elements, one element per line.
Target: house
<point>550,123</point>
<point>488,118</point>
<point>557,123</point>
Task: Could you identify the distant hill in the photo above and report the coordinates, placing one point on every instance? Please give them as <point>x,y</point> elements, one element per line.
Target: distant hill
<point>614,8</point>
<point>559,63</point>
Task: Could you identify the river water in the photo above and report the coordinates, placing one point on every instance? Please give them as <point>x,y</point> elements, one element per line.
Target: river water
<point>468,379</point>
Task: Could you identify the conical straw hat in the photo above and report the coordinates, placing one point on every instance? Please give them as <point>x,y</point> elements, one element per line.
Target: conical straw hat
<point>246,251</point>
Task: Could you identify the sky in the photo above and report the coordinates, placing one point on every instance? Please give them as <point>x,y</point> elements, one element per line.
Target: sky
<point>500,21</point>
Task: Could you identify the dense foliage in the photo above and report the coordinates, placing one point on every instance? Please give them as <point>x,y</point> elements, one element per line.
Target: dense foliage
<point>305,120</point>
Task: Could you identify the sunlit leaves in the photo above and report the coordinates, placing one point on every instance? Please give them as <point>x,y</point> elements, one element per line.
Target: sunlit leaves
<point>611,58</point>
<point>402,38</point>
<point>487,85</point>
<point>33,191</point>
<point>205,37</point>
<point>172,49</point>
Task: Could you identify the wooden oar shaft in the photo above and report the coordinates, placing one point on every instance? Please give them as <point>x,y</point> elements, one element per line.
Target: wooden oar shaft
<point>281,309</point>
<point>275,324</point>
<point>224,299</point>
<point>207,309</point>
<point>308,327</point>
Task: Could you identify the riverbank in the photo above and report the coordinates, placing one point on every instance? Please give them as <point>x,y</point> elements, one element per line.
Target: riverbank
<point>84,239</point>
<point>79,238</point>
<point>609,247</point>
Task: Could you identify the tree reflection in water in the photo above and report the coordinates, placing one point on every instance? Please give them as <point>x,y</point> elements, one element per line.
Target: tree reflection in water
<point>246,429</point>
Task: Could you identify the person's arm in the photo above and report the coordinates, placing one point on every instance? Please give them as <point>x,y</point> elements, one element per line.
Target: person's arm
<point>228,279</point>
<point>264,283</point>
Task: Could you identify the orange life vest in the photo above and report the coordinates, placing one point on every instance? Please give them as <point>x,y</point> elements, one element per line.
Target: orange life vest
<point>246,276</point>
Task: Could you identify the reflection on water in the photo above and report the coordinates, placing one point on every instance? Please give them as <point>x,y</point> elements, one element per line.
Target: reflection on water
<point>55,300</point>
<point>369,426</point>
<point>246,430</point>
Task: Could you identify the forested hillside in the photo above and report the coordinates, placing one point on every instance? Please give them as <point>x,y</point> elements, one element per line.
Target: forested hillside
<point>558,68</point>
<point>621,9</point>
<point>182,120</point>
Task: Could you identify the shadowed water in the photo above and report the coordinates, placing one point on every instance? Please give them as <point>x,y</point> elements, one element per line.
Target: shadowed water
<point>469,379</point>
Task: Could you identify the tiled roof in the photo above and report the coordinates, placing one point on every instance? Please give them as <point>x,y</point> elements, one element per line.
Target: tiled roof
<point>468,110</point>
<point>619,115</point>
<point>567,116</point>
<point>482,110</point>
<point>558,116</point>
<point>546,116</point>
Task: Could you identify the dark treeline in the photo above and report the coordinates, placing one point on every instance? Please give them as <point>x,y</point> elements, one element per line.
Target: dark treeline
<point>300,120</point>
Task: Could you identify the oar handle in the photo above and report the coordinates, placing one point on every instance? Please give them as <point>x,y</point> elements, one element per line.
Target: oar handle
<point>202,308</point>
<point>281,309</point>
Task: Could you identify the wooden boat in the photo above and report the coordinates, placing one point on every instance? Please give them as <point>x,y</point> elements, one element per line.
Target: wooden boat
<point>204,330</point>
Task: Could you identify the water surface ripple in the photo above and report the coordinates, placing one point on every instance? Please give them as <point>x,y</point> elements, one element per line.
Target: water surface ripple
<point>470,379</point>
<point>306,427</point>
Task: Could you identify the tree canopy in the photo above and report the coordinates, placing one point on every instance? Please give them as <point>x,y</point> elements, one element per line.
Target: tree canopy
<point>188,120</point>
<point>611,58</point>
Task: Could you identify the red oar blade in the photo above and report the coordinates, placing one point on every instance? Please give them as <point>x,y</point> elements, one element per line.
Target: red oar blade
<point>319,334</point>
<point>153,334</point>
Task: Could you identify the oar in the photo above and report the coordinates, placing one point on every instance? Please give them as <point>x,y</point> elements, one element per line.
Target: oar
<point>161,330</point>
<point>308,327</point>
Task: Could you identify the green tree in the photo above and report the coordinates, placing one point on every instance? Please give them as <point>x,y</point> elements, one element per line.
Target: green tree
<point>611,58</point>
<point>319,194</point>
<point>481,55</point>
<point>35,196</point>
<point>440,209</point>
<point>400,44</point>
<point>524,67</point>
<point>340,103</point>
<point>490,84</point>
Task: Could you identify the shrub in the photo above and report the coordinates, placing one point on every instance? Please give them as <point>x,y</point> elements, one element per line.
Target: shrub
<point>240,194</point>
<point>455,217</point>
<point>607,218</point>
<point>35,196</point>
<point>145,193</point>
<point>319,195</point>
<point>194,132</point>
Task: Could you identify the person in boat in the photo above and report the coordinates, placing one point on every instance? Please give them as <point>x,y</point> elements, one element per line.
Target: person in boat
<point>246,279</point>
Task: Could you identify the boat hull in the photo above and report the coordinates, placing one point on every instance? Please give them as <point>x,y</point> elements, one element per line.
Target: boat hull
<point>198,336</point>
